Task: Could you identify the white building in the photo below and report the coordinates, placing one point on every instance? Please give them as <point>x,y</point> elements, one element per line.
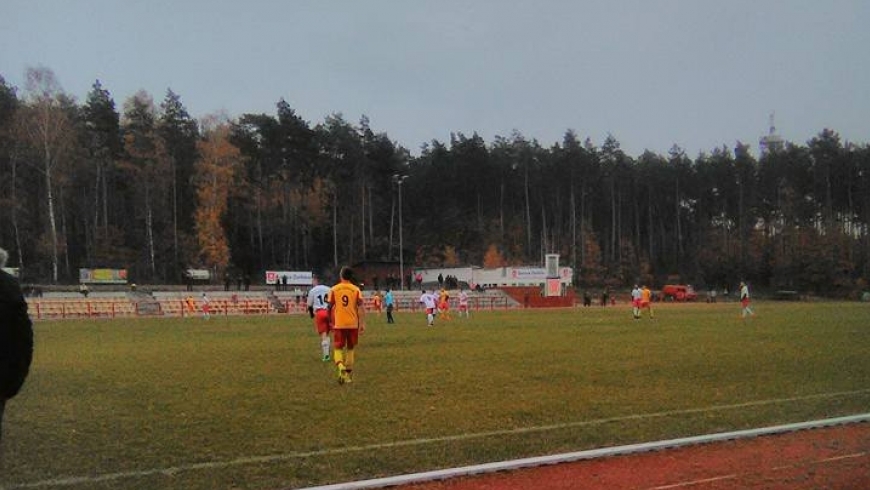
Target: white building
<point>498,277</point>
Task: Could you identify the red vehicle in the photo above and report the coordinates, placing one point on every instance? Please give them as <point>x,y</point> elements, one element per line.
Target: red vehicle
<point>678,292</point>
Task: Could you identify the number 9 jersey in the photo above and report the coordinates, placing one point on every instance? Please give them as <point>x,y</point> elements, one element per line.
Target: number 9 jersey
<point>346,301</point>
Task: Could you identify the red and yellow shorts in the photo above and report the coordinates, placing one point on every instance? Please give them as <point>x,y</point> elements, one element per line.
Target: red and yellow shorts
<point>345,337</point>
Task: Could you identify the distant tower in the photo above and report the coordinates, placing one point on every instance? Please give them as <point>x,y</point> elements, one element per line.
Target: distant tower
<point>771,142</point>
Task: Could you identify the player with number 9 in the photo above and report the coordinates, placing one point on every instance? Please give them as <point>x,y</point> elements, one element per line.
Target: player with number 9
<point>348,321</point>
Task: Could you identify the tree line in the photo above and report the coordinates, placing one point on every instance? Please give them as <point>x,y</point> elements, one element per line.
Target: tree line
<point>149,189</point>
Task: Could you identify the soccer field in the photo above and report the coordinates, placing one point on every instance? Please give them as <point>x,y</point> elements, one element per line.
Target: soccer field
<point>245,402</point>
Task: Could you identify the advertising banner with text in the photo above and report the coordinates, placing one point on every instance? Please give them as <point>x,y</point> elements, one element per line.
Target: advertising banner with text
<point>290,278</point>
<point>103,276</point>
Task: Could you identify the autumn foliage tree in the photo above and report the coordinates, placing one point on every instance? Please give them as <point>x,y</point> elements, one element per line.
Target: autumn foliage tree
<point>493,258</point>
<point>214,173</point>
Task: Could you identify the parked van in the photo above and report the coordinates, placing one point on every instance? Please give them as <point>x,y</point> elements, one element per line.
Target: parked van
<point>679,292</point>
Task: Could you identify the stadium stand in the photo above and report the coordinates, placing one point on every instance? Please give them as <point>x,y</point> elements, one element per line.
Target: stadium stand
<point>80,307</point>
<point>114,304</point>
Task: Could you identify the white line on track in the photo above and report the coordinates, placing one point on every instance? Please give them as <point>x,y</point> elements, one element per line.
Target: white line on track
<point>844,457</point>
<point>696,482</point>
<point>484,468</point>
<point>735,475</point>
<point>778,468</point>
<point>833,459</point>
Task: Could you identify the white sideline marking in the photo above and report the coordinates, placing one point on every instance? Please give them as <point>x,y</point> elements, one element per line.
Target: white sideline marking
<point>484,468</point>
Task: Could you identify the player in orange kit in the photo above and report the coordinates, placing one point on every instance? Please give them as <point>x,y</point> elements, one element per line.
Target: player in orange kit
<point>646,301</point>
<point>444,305</point>
<point>348,321</point>
<point>377,302</point>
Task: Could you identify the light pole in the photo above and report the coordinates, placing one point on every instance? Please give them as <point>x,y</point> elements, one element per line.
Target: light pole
<point>398,179</point>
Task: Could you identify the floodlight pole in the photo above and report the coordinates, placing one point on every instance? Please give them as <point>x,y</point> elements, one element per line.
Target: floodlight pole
<point>398,179</point>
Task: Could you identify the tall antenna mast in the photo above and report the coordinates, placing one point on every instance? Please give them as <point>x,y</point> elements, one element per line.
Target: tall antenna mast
<point>771,141</point>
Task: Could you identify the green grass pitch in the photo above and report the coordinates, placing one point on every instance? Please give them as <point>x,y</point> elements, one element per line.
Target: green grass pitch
<point>245,402</point>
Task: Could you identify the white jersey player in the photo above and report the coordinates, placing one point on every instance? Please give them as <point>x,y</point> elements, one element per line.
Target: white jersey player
<point>318,309</point>
<point>430,302</point>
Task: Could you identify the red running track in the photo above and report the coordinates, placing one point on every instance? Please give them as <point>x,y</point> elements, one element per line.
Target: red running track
<point>833,458</point>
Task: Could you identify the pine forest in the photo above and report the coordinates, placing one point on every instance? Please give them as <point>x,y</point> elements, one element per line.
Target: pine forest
<point>147,188</point>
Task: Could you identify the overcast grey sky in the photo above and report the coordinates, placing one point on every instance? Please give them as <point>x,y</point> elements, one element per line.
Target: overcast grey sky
<point>696,73</point>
